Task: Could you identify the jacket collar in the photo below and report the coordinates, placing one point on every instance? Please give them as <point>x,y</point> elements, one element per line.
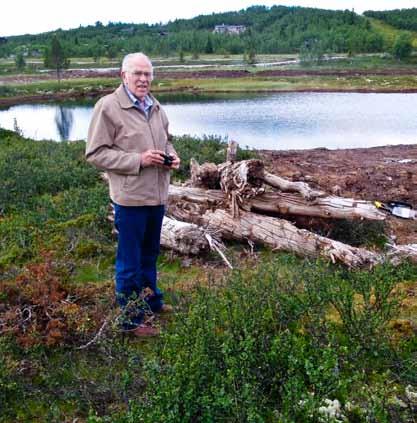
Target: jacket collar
<point>126,103</point>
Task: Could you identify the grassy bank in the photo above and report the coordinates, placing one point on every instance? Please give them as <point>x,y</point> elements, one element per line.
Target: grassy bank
<point>48,90</point>
<point>274,341</point>
<point>285,84</point>
<point>341,75</point>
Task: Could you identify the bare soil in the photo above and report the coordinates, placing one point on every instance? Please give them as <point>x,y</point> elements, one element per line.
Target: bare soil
<point>206,74</point>
<point>379,173</point>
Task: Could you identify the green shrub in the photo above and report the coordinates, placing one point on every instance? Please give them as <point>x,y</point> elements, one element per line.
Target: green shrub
<point>264,346</point>
<point>30,168</point>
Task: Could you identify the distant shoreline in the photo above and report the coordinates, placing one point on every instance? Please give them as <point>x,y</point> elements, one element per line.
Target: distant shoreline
<point>96,93</point>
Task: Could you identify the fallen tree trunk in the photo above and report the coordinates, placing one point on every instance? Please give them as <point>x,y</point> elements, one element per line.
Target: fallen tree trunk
<point>185,238</point>
<point>282,203</point>
<point>276,233</point>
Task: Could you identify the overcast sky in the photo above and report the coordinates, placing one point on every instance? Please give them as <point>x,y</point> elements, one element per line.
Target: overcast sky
<point>35,16</point>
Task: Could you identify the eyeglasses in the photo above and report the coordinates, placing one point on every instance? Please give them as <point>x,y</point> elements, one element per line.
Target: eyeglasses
<point>138,74</point>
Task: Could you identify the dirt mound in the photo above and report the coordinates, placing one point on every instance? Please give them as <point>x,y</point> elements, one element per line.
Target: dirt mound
<point>380,173</point>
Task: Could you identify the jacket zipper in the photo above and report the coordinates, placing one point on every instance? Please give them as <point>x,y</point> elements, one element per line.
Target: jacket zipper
<point>154,146</point>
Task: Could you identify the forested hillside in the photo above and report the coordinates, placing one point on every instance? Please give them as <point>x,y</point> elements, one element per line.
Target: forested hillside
<point>400,18</point>
<point>276,29</point>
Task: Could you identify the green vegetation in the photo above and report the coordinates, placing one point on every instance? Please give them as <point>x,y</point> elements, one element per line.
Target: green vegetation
<point>69,87</point>
<point>56,57</point>
<point>254,82</point>
<point>405,19</point>
<point>275,29</point>
<point>273,341</point>
<point>20,61</point>
<point>308,82</point>
<point>52,199</point>
<point>402,47</point>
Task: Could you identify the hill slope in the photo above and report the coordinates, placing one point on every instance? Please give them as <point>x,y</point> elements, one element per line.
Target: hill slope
<point>276,29</point>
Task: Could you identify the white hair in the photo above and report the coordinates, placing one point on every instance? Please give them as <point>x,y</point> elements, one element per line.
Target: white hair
<point>127,61</point>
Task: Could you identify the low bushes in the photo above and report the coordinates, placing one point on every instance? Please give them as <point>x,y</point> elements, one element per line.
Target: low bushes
<point>281,343</point>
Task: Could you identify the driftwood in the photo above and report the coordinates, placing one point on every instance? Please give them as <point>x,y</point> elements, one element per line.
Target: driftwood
<point>278,234</point>
<point>283,204</point>
<point>243,182</point>
<point>240,182</point>
<point>231,200</point>
<point>185,238</point>
<point>290,186</point>
<point>245,175</point>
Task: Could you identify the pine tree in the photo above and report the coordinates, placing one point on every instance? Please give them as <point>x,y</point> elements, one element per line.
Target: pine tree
<point>56,57</point>
<point>20,61</point>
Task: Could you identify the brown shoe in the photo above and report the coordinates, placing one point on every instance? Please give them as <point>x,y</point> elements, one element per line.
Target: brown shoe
<point>145,331</point>
<point>166,308</point>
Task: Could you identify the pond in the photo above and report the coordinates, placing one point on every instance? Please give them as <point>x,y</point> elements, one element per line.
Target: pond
<point>262,121</point>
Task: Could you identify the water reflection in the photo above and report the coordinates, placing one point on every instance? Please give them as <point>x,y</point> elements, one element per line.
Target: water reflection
<point>270,121</point>
<point>64,119</point>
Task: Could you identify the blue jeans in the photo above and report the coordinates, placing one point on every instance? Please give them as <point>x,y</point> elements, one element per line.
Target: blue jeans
<point>137,251</point>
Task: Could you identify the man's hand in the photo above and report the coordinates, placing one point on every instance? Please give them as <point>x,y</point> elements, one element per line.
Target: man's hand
<point>176,162</point>
<point>156,158</point>
<point>152,158</point>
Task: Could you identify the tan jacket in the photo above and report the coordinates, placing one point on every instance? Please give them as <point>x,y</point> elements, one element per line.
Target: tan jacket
<point>117,136</point>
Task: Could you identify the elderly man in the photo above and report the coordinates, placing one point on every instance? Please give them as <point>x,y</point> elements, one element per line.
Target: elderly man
<point>128,138</point>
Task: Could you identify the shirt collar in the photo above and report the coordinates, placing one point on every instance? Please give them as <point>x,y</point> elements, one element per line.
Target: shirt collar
<point>146,104</point>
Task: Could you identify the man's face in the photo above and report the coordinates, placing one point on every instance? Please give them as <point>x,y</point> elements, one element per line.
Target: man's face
<point>138,77</point>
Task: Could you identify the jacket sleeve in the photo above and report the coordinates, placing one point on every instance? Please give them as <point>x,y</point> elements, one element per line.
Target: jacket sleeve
<point>101,151</point>
<point>169,148</point>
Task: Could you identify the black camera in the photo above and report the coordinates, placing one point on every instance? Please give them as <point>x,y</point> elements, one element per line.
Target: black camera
<point>168,159</point>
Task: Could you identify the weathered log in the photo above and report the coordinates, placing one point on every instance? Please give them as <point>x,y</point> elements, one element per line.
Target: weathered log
<point>205,175</point>
<point>241,181</point>
<point>290,186</point>
<point>246,176</point>
<point>325,207</point>
<point>283,204</point>
<point>185,238</point>
<point>278,234</point>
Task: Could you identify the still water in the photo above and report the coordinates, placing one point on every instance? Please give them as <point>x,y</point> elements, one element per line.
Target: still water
<point>263,121</point>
